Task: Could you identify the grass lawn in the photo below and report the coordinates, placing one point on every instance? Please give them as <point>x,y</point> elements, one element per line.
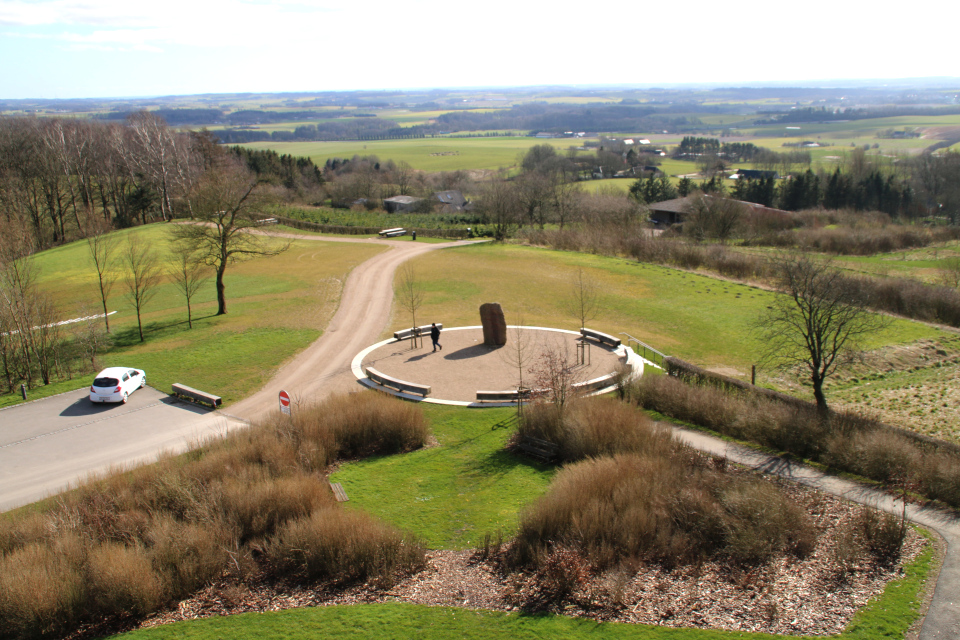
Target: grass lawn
<point>276,307</point>
<point>888,616</point>
<point>698,318</point>
<point>452,494</point>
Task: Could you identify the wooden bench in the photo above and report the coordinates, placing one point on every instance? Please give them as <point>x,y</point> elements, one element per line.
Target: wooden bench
<point>603,338</point>
<point>400,385</point>
<point>423,331</point>
<point>595,384</point>
<point>195,395</point>
<point>540,449</point>
<point>393,233</point>
<point>338,492</point>
<point>510,395</point>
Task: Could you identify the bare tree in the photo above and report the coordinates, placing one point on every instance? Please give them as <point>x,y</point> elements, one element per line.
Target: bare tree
<point>410,294</point>
<point>816,320</point>
<point>224,207</point>
<point>143,275</point>
<point>555,375</point>
<point>499,205</point>
<point>102,245</point>
<point>187,274</point>
<point>583,302</point>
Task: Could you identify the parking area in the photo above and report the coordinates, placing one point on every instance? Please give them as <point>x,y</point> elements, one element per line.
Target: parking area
<point>48,444</point>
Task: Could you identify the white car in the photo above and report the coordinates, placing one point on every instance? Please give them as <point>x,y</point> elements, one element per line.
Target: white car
<point>116,384</point>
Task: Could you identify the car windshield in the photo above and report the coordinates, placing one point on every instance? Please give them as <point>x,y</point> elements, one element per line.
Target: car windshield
<point>106,382</point>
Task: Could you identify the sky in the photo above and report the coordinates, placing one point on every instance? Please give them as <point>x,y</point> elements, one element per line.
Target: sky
<point>132,48</point>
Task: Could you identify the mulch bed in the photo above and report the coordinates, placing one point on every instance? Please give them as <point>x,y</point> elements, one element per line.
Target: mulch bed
<point>812,596</point>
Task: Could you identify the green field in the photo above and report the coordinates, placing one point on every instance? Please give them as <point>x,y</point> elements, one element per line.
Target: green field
<point>426,154</point>
<point>276,307</point>
<point>697,318</point>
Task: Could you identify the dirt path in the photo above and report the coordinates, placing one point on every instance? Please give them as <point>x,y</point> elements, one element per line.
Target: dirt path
<point>324,367</point>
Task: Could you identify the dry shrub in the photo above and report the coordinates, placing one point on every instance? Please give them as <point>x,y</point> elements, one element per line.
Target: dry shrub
<point>881,455</point>
<point>333,544</point>
<point>188,555</point>
<point>362,424</point>
<point>668,507</point>
<point>762,523</point>
<point>258,505</point>
<point>882,533</point>
<point>128,542</point>
<point>591,427</point>
<point>121,580</point>
<point>939,477</point>
<point>41,591</point>
<point>845,441</point>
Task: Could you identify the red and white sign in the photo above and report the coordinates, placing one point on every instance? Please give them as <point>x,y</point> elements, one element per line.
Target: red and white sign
<point>284,402</point>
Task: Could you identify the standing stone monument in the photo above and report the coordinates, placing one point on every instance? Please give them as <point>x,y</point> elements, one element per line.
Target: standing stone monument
<point>494,324</point>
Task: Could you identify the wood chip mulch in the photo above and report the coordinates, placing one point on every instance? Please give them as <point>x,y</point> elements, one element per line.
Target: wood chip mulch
<point>789,596</point>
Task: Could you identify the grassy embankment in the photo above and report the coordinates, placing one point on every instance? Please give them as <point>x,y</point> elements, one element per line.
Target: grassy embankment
<point>276,307</point>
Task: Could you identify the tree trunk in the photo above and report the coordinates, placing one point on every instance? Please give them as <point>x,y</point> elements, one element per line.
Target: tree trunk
<point>818,395</point>
<point>221,296</point>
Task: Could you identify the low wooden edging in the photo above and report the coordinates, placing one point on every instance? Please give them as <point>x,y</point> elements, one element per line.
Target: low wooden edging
<point>195,395</point>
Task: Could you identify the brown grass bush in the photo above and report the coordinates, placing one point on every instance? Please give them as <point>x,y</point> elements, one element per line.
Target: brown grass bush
<point>882,533</point>
<point>41,590</point>
<point>128,542</point>
<point>258,505</point>
<point>334,544</point>
<point>845,441</point>
<point>362,424</point>
<point>121,580</point>
<point>591,427</point>
<point>669,507</point>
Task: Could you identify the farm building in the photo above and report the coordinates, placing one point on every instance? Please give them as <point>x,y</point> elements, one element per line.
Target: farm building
<point>756,174</point>
<point>400,204</point>
<point>452,201</point>
<point>673,211</point>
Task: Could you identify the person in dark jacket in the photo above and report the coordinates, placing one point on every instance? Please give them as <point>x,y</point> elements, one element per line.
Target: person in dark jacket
<point>435,336</point>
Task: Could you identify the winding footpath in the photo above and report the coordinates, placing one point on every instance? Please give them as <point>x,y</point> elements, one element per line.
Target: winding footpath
<point>364,311</point>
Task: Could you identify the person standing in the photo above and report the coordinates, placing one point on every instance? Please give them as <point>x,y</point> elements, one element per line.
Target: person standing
<point>435,336</point>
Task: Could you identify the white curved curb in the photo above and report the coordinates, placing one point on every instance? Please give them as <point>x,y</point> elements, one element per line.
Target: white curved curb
<point>633,360</point>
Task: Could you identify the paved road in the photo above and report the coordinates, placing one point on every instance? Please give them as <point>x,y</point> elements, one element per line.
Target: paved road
<point>48,444</point>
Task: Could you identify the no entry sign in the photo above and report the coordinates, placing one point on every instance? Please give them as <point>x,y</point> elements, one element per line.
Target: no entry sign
<point>284,402</point>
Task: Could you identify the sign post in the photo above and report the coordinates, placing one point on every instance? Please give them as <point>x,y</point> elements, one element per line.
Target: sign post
<point>284,402</point>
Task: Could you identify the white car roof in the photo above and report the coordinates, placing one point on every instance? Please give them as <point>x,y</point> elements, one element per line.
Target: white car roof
<point>114,372</point>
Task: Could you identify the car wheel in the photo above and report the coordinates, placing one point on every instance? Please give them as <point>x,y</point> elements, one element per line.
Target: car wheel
<point>124,397</point>
<point>143,382</point>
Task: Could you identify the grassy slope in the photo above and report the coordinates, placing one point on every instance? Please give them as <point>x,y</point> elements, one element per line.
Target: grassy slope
<point>697,318</point>
<point>276,307</point>
<point>889,616</point>
<point>452,494</point>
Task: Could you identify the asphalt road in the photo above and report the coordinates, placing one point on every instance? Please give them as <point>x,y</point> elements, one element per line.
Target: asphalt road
<point>48,444</point>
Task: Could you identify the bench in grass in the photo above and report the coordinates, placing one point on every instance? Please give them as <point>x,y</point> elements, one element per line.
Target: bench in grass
<point>393,233</point>
<point>400,385</point>
<point>338,492</point>
<point>538,448</point>
<point>602,338</point>
<point>421,331</point>
<point>195,395</point>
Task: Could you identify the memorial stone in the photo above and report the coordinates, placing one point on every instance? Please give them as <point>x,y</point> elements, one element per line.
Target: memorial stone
<point>494,324</point>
